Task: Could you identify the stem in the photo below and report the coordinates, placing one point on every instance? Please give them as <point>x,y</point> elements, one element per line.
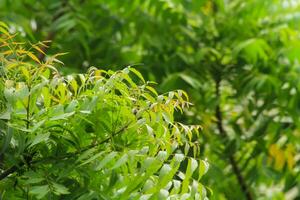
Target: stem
<point>28,109</point>
<point>241,180</point>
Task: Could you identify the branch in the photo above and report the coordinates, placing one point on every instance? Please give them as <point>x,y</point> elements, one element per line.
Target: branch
<point>15,168</point>
<point>28,159</point>
<point>10,171</point>
<point>233,163</point>
<point>103,141</point>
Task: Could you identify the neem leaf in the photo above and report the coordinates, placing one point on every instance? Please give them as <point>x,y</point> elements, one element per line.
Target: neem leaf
<point>121,161</point>
<point>60,189</point>
<point>7,140</point>
<point>62,116</point>
<point>92,158</point>
<point>39,138</point>
<point>203,168</point>
<point>39,191</point>
<point>105,160</point>
<point>137,73</point>
<point>34,180</point>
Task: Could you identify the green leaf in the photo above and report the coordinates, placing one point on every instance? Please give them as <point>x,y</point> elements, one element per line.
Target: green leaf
<point>86,154</point>
<point>203,168</point>
<point>152,90</point>
<point>3,30</point>
<point>191,80</point>
<point>166,168</point>
<point>6,115</point>
<point>90,196</point>
<point>137,73</point>
<point>72,106</point>
<point>37,125</point>
<point>167,117</point>
<point>121,161</point>
<point>34,180</point>
<point>7,139</point>
<point>163,194</point>
<point>39,191</point>
<point>191,167</point>
<point>10,95</point>
<point>92,158</point>
<point>63,116</point>
<point>60,189</point>
<point>39,138</point>
<point>4,25</point>
<point>105,160</point>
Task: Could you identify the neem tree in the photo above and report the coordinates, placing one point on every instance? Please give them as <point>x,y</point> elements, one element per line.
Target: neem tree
<point>238,60</point>
<point>99,135</point>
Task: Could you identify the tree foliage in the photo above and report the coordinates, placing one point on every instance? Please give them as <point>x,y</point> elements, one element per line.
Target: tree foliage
<point>238,60</point>
<point>98,135</point>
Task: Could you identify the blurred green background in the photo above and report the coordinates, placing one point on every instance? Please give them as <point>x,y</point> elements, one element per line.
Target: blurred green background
<point>237,59</point>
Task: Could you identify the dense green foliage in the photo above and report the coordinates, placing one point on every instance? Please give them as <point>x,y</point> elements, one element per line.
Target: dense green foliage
<point>99,135</point>
<point>238,60</point>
